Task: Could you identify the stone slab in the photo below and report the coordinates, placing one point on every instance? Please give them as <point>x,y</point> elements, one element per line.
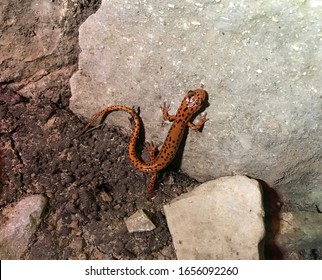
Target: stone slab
<point>220,219</point>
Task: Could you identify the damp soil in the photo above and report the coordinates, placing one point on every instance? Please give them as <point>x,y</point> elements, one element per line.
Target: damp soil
<point>89,181</point>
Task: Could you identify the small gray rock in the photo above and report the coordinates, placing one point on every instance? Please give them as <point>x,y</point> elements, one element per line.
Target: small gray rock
<point>139,222</point>
<point>22,221</point>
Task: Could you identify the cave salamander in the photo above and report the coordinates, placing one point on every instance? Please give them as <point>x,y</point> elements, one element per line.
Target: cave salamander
<point>190,105</point>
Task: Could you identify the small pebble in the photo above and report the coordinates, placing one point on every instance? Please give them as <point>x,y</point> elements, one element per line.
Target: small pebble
<point>139,222</point>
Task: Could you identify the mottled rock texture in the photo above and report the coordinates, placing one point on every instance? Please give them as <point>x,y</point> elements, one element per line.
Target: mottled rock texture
<point>34,57</point>
<point>298,230</point>
<point>210,222</point>
<point>260,62</point>
<point>21,223</point>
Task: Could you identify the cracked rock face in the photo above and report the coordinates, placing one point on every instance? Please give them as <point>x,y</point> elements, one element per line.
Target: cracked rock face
<point>33,55</point>
<point>260,62</point>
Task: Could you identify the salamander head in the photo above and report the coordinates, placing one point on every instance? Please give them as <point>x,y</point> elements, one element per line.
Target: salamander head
<point>194,100</point>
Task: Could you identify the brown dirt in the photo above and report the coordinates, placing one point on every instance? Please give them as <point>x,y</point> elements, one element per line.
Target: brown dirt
<point>89,181</point>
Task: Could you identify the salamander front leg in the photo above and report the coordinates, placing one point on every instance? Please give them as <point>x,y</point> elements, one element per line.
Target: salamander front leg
<point>201,119</point>
<point>165,112</point>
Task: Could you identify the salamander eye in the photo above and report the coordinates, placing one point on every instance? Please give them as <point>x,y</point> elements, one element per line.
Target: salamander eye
<point>190,93</point>
<point>192,101</point>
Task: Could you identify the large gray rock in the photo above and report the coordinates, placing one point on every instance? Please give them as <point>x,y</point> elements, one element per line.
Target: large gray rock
<point>221,219</point>
<point>260,62</point>
<point>37,50</point>
<point>32,40</point>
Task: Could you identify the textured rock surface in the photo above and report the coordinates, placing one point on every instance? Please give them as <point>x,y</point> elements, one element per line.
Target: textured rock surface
<point>299,230</point>
<point>260,61</point>
<point>21,223</point>
<point>209,222</point>
<point>33,57</point>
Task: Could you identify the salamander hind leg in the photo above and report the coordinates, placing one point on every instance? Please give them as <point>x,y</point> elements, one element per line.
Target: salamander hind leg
<point>152,151</point>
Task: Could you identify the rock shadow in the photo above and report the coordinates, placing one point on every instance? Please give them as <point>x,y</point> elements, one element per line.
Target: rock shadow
<point>271,201</point>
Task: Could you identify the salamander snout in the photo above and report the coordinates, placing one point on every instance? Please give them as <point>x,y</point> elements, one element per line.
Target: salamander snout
<point>195,98</point>
<point>201,94</point>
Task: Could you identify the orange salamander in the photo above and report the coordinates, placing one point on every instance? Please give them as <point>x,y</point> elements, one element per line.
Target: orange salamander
<point>191,104</point>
